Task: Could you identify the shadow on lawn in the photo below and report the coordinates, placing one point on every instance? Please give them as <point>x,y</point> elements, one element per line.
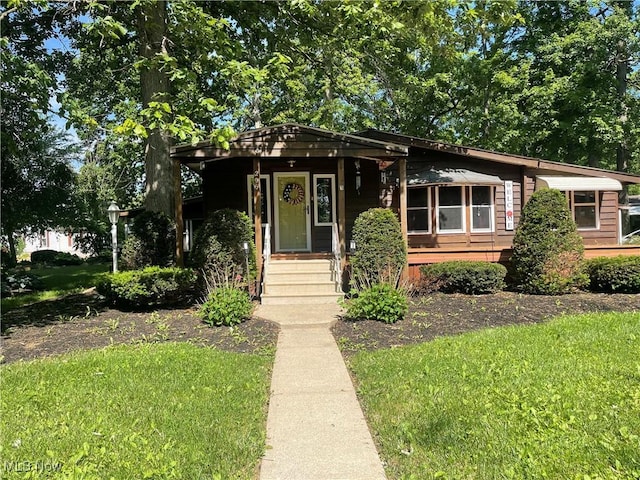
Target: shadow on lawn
<point>50,312</point>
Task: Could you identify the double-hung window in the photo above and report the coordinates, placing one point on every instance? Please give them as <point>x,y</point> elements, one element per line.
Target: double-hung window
<point>481,209</point>
<point>419,209</point>
<point>450,209</point>
<point>584,207</point>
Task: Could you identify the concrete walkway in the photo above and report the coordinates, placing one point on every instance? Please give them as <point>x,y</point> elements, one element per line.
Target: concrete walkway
<point>315,427</point>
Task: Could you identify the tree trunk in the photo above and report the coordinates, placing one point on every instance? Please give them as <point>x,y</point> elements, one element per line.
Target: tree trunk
<point>152,29</point>
<point>13,256</point>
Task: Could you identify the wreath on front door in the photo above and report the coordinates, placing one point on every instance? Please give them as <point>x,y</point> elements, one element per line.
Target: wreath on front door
<point>293,193</point>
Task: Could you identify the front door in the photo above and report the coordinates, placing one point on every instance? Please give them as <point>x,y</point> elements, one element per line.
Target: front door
<point>293,218</point>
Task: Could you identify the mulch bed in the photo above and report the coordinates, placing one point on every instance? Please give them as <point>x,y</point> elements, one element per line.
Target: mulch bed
<point>84,321</point>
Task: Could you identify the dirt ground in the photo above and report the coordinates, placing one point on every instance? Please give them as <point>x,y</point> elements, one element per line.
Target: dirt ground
<point>84,321</point>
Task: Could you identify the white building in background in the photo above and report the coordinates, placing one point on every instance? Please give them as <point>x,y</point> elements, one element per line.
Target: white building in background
<point>52,239</point>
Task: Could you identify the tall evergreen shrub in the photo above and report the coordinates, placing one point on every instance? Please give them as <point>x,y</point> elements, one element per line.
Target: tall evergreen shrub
<point>547,249</point>
<point>151,242</point>
<point>218,246</point>
<point>381,253</point>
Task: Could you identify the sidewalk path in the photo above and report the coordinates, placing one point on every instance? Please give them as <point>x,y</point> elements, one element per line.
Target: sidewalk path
<point>315,426</point>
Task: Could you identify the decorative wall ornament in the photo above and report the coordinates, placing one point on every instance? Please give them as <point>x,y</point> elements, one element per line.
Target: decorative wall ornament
<point>293,193</point>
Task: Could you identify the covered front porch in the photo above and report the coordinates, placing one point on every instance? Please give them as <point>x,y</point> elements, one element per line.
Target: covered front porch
<point>303,187</point>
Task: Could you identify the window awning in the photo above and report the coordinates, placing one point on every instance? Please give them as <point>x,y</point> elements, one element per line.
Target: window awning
<point>578,184</point>
<point>459,176</point>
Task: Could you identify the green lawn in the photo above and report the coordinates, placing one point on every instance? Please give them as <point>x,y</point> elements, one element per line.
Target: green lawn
<point>149,411</point>
<point>556,400</point>
<point>58,281</point>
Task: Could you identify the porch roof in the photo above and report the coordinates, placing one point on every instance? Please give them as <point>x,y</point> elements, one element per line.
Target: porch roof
<point>290,141</point>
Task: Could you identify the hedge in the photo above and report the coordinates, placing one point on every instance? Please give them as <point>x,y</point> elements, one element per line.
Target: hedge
<point>465,276</point>
<point>151,287</point>
<point>614,274</point>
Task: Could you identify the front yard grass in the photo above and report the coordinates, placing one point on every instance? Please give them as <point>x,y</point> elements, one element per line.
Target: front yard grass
<point>58,281</point>
<point>555,400</point>
<point>147,411</point>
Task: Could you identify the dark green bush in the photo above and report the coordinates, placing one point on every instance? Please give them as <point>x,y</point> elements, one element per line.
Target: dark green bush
<point>226,306</point>
<point>382,301</point>
<point>472,278</point>
<point>44,256</point>
<point>381,253</point>
<point>547,249</point>
<point>64,259</point>
<point>615,274</point>
<point>218,245</point>
<point>150,287</point>
<point>102,257</point>
<point>152,242</point>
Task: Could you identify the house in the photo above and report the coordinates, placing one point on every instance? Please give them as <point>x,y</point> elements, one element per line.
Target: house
<point>304,188</point>
<point>53,239</point>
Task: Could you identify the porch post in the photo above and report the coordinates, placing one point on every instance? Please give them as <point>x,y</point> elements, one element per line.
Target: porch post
<point>402,167</point>
<point>342,214</point>
<point>177,185</point>
<point>257,217</point>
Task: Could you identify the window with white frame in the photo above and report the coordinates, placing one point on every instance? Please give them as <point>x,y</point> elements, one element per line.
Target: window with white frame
<point>481,209</point>
<point>584,207</point>
<point>450,209</point>
<point>419,209</point>
<point>266,198</point>
<point>324,205</point>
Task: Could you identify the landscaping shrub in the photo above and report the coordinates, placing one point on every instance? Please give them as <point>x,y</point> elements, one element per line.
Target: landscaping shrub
<point>65,259</point>
<point>152,286</point>
<point>152,242</point>
<point>547,249</point>
<point>44,256</point>
<point>614,275</point>
<point>102,257</point>
<point>381,301</point>
<point>218,246</point>
<point>381,253</point>
<point>472,278</point>
<point>226,305</point>
<point>19,282</point>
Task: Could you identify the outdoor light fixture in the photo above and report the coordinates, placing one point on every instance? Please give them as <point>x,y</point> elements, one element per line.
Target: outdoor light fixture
<point>358,177</point>
<point>114,216</point>
<point>352,246</point>
<point>291,163</point>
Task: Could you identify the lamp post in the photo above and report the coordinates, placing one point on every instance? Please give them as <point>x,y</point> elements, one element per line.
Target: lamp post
<point>114,215</point>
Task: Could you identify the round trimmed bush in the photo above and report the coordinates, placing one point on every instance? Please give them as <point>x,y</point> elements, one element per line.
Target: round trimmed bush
<point>226,306</point>
<point>381,253</point>
<point>44,256</point>
<point>547,249</point>
<point>472,278</point>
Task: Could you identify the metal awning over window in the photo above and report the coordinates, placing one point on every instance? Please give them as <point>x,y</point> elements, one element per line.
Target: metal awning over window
<point>458,176</point>
<point>578,184</point>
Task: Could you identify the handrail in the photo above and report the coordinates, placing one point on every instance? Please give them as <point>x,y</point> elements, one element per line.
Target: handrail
<point>337,260</point>
<point>266,249</point>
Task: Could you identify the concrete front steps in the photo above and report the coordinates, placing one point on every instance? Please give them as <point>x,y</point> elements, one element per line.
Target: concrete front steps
<point>300,282</point>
